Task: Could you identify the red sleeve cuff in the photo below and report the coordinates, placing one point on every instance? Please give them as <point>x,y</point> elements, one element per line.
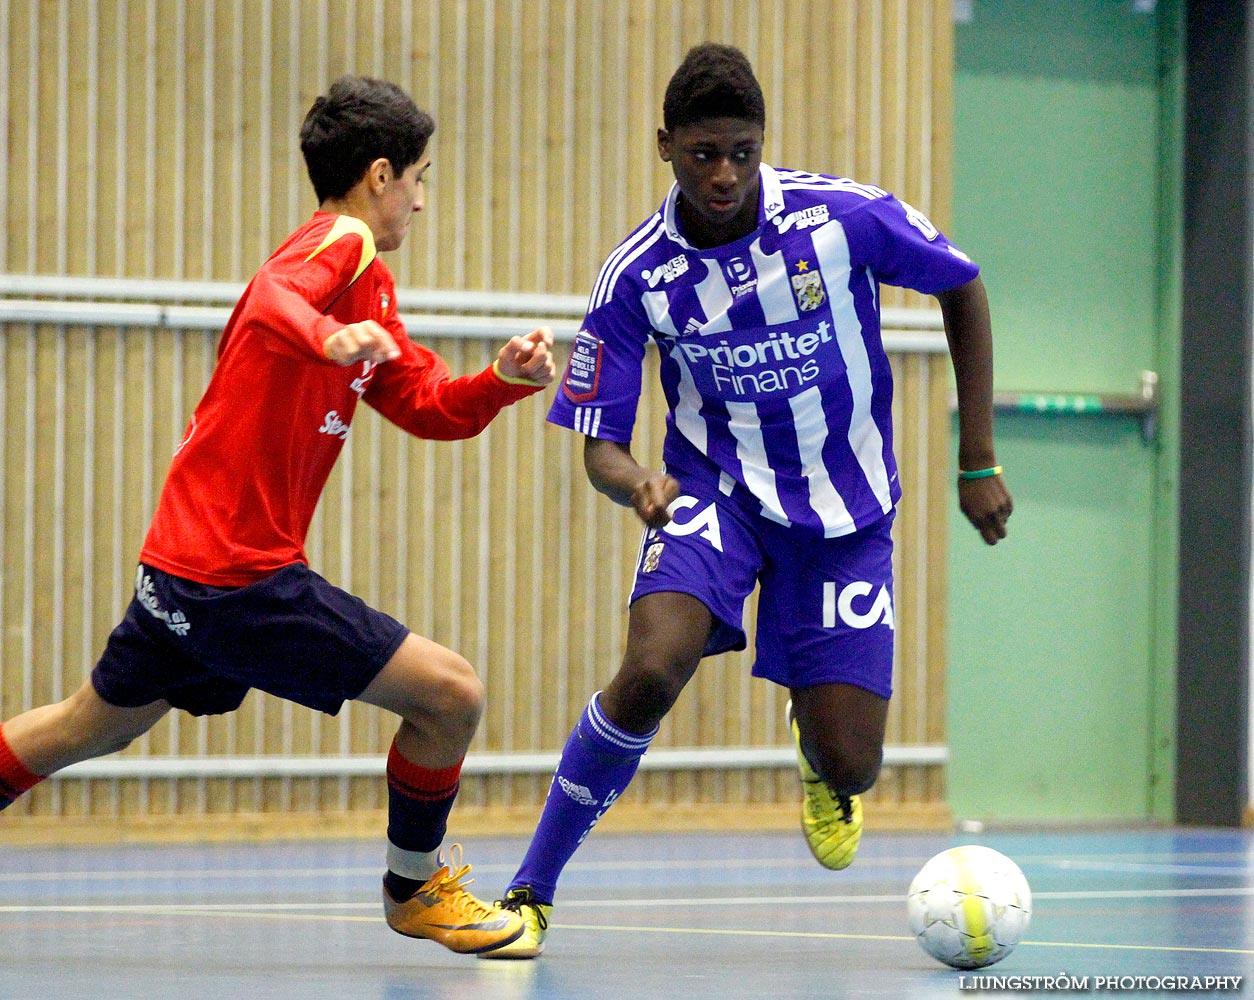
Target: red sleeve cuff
<point>505,389</point>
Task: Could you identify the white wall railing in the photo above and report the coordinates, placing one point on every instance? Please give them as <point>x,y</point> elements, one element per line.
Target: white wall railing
<point>39,300</point>
<point>206,305</point>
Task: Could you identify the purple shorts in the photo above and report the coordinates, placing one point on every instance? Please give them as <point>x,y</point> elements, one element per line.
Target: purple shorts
<point>201,648</point>
<point>825,611</point>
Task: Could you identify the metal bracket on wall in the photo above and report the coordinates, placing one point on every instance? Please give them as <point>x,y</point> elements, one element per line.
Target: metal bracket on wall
<point>1143,404</point>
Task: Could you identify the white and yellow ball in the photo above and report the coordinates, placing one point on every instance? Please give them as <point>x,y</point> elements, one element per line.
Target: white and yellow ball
<point>969,906</point>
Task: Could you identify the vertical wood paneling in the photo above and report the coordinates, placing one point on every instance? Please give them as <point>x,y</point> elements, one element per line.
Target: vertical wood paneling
<point>157,139</point>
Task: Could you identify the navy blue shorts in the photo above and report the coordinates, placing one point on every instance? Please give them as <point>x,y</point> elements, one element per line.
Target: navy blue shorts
<point>201,648</point>
<point>825,610</point>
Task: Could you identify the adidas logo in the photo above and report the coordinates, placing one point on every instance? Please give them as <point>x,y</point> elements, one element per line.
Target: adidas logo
<point>579,793</point>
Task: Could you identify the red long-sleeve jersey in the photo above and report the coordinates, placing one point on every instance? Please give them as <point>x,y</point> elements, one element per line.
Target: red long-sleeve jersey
<point>256,455</point>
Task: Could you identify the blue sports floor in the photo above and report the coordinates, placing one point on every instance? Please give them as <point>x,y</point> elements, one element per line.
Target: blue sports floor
<point>657,916</point>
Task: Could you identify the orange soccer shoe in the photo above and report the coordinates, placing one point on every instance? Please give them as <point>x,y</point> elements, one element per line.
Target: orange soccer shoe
<point>442,910</point>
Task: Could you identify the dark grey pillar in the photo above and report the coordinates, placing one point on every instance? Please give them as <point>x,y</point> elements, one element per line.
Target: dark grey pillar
<point>1215,462</point>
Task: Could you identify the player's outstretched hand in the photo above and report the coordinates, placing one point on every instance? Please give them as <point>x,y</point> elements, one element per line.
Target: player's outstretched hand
<point>652,498</point>
<point>529,358</point>
<point>986,503</point>
<point>364,341</point>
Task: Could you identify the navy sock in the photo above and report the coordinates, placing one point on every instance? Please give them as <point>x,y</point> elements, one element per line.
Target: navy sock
<point>596,766</point>
<point>419,801</point>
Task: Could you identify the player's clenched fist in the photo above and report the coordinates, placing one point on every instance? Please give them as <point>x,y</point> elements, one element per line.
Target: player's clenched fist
<point>528,358</point>
<point>652,498</point>
<point>364,341</point>
<point>986,504</point>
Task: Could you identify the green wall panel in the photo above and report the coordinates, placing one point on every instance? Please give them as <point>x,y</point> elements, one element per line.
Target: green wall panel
<point>1067,239</point>
<point>1049,670</point>
<point>1058,646</point>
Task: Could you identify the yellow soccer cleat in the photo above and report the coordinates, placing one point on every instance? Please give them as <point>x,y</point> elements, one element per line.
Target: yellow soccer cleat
<point>442,910</point>
<point>832,823</point>
<point>536,918</point>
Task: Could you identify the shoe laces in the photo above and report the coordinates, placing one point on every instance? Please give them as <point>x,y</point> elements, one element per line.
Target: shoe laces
<point>447,884</point>
<point>844,803</point>
<point>516,899</point>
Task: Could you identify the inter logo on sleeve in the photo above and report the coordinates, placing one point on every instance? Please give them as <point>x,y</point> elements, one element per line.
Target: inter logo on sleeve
<point>583,372</point>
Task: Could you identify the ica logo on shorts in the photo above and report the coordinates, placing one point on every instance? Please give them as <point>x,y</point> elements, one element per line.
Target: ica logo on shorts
<point>856,607</point>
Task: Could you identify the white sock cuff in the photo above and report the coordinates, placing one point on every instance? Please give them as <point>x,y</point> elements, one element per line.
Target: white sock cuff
<point>633,743</point>
<point>418,865</point>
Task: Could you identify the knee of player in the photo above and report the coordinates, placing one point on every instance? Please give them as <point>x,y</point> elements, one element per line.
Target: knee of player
<point>652,682</point>
<point>461,694</point>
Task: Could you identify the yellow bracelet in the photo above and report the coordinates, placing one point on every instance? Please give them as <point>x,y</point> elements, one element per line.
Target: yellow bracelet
<point>979,473</point>
<point>496,370</point>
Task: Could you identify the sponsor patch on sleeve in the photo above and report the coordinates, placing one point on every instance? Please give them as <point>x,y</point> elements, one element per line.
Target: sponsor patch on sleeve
<point>920,222</point>
<point>583,372</point>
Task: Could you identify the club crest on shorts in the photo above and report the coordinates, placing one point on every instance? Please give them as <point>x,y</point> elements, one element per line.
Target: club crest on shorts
<point>651,557</point>
<point>807,287</point>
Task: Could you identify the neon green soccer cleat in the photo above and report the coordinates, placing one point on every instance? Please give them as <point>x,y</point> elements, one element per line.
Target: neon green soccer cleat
<point>832,823</point>
<point>535,917</point>
<point>442,910</point>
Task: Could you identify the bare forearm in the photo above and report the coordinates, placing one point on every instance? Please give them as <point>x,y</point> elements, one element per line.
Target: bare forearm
<point>613,471</point>
<point>984,498</point>
<point>969,331</point>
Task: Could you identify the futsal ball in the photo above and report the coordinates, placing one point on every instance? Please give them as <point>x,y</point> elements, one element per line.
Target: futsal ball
<point>969,906</point>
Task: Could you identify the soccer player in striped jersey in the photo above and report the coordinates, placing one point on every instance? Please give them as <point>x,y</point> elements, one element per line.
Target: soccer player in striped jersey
<point>224,598</point>
<point>760,287</point>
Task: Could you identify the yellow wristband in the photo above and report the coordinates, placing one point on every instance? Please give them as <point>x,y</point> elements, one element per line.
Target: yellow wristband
<point>496,370</point>
<point>979,473</point>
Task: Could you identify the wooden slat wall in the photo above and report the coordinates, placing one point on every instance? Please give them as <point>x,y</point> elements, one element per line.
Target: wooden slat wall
<point>156,139</point>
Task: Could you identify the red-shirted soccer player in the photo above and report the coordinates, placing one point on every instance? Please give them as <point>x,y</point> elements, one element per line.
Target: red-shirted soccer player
<point>224,598</point>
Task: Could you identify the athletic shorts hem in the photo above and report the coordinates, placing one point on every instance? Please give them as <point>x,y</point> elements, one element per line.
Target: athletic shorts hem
<point>822,675</point>
<point>383,659</point>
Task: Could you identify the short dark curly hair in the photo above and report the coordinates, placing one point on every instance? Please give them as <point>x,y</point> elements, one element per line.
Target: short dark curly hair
<point>713,81</point>
<point>357,121</point>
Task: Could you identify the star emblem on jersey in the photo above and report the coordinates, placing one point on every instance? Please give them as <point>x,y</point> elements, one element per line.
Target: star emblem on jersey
<point>803,265</point>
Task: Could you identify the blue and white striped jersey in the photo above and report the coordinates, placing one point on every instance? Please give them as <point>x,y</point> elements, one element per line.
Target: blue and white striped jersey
<point>779,389</point>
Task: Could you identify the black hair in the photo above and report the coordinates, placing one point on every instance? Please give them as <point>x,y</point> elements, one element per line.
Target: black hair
<point>359,120</point>
<point>713,81</point>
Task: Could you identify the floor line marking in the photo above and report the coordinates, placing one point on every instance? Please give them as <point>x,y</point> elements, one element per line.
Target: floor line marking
<point>654,903</point>
<point>1116,863</point>
<point>885,937</point>
<point>716,931</point>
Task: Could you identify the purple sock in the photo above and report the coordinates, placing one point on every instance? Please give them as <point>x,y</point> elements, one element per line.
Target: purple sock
<point>596,766</point>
